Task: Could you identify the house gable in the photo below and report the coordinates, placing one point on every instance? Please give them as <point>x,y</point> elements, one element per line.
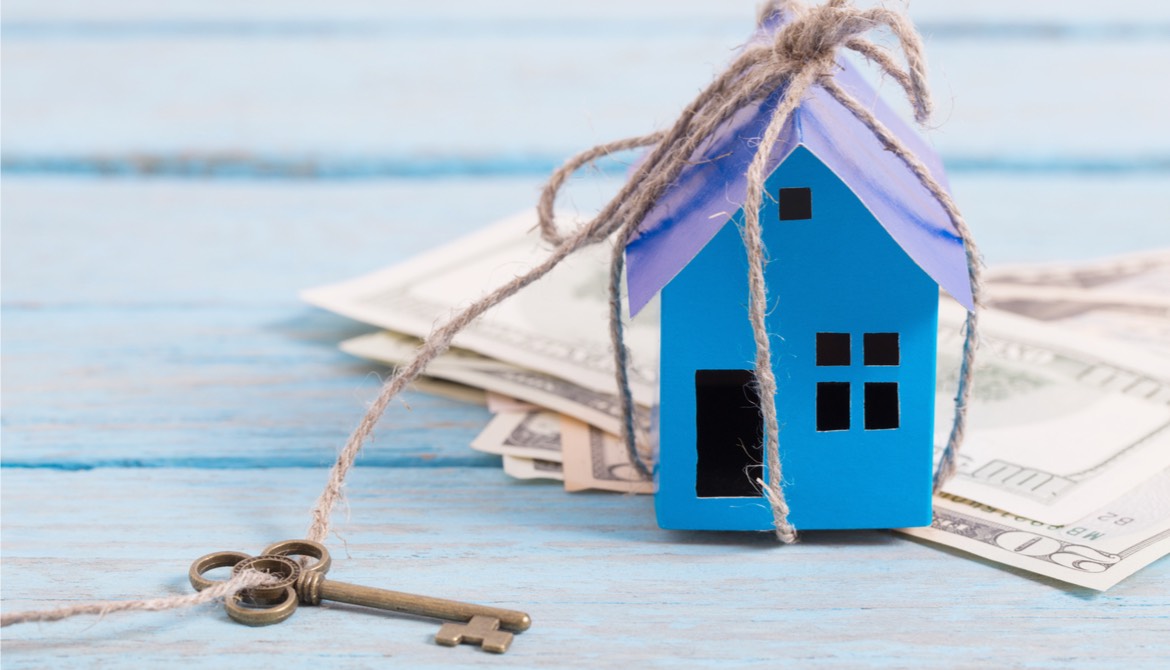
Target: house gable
<point>706,194</point>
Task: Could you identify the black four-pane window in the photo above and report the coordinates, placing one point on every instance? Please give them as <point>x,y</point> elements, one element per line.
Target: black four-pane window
<point>882,411</point>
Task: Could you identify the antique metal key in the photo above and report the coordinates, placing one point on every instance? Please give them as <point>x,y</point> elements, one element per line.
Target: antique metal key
<point>474,624</point>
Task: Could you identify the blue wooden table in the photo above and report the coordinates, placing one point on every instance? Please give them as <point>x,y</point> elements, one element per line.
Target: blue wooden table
<point>174,172</point>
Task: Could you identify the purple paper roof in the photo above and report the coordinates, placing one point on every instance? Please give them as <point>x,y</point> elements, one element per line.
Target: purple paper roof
<point>709,192</point>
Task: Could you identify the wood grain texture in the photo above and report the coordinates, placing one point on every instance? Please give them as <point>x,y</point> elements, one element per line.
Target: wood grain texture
<point>270,85</point>
<point>167,386</point>
<point>603,584</point>
<point>1046,12</point>
<point>238,243</point>
<point>542,92</point>
<point>165,394</point>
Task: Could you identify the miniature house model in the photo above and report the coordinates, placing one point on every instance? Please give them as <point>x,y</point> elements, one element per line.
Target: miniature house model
<point>857,252</point>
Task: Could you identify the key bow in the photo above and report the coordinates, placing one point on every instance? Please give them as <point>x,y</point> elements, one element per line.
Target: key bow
<point>262,606</point>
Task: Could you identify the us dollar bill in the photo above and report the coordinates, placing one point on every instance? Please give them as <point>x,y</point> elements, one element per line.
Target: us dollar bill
<point>532,468</point>
<point>451,390</point>
<point>532,434</point>
<point>1137,277</point>
<point>586,457</point>
<point>1140,325</point>
<point>1060,423</point>
<point>497,403</point>
<point>458,365</point>
<point>1096,551</point>
<point>1125,298</point>
<point>557,326</point>
<point>594,459</point>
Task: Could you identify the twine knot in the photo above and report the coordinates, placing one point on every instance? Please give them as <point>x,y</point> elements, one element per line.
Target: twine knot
<point>813,36</point>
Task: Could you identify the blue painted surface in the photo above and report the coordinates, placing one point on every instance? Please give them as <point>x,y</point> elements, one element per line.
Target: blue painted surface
<point>839,272</point>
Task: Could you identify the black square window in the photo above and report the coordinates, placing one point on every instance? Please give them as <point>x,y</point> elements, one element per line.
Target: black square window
<point>832,348</point>
<point>795,204</point>
<point>832,406</point>
<point>881,405</point>
<point>881,349</point>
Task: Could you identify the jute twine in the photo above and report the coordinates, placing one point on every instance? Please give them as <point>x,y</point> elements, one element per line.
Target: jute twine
<point>800,55</point>
<point>245,580</point>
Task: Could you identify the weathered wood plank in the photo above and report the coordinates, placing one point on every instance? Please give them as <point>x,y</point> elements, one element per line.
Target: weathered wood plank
<point>128,243</point>
<point>666,13</point>
<point>465,90</point>
<point>131,244</point>
<point>603,584</point>
<point>250,387</point>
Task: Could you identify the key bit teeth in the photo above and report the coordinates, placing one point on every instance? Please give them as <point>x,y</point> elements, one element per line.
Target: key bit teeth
<point>498,643</point>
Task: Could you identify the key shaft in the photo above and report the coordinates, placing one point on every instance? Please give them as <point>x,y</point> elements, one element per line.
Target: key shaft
<point>312,588</point>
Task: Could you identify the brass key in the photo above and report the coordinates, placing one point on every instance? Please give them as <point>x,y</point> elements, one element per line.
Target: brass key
<point>474,624</point>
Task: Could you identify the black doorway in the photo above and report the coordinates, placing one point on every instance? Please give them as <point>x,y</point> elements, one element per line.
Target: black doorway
<point>729,434</point>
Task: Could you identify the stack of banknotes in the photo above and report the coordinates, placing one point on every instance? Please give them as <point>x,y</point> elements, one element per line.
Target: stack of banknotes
<point>1066,468</point>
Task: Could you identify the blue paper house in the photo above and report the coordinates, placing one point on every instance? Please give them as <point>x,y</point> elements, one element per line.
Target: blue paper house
<point>858,250</point>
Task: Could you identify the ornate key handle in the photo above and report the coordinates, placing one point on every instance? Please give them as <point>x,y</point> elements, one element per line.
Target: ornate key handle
<point>269,604</point>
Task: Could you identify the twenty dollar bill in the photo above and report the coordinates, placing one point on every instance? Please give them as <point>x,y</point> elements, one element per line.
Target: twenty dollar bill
<point>1097,551</point>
